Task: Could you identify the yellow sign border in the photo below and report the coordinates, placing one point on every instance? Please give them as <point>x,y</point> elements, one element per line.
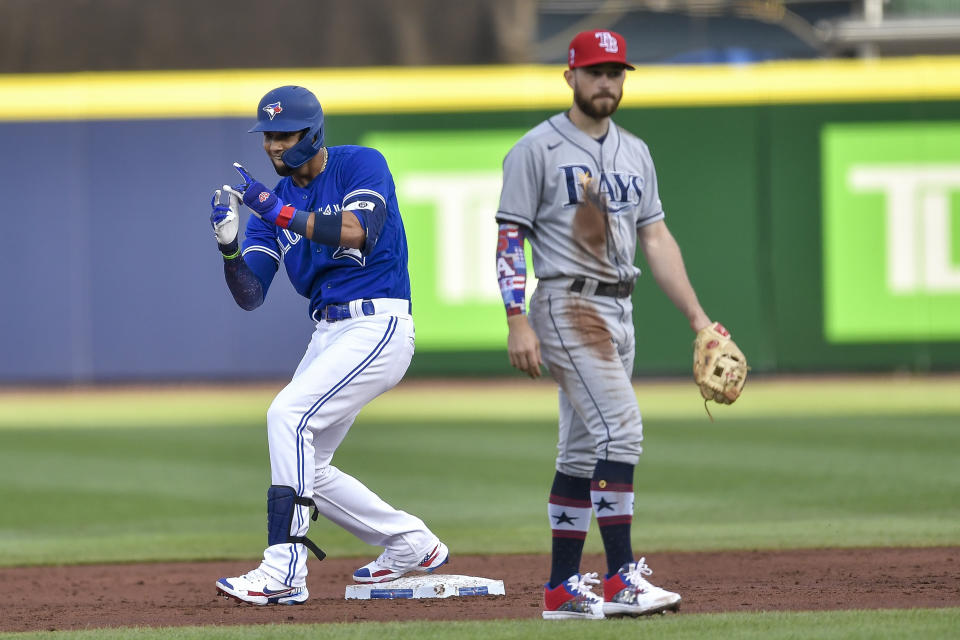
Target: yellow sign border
<point>373,90</point>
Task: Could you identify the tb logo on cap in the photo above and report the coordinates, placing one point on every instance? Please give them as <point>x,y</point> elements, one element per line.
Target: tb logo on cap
<point>607,42</point>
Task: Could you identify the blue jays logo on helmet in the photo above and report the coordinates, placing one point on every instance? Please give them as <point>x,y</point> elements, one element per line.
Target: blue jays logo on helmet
<point>291,108</point>
<point>273,109</point>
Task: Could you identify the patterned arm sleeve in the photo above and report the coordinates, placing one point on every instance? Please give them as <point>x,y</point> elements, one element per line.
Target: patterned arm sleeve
<point>512,268</point>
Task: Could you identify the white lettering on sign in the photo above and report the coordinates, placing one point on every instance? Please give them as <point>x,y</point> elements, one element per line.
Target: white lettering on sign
<point>918,228</point>
<point>465,204</point>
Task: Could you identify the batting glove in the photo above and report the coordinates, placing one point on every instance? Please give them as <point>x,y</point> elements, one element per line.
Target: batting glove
<point>262,201</point>
<point>224,218</point>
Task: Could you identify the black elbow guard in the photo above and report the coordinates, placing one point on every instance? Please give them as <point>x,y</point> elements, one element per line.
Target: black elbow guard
<point>371,210</point>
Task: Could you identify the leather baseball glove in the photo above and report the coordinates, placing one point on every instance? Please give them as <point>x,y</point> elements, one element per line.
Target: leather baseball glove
<point>719,367</point>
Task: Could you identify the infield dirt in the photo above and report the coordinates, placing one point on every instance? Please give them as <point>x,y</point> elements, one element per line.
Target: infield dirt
<point>179,594</point>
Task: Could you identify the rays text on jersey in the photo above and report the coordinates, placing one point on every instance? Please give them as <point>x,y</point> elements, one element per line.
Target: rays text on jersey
<point>615,186</point>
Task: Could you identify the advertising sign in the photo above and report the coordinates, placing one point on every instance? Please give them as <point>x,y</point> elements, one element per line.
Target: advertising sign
<point>891,232</point>
<point>448,186</point>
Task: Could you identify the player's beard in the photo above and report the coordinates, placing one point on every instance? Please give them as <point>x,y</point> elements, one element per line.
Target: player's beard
<point>592,109</point>
<point>282,169</point>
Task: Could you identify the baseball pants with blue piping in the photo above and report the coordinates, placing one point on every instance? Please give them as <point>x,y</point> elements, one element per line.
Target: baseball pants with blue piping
<point>347,364</point>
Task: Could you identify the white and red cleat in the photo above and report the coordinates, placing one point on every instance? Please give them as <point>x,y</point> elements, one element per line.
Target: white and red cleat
<point>627,593</point>
<point>573,599</point>
<point>257,587</point>
<point>384,569</point>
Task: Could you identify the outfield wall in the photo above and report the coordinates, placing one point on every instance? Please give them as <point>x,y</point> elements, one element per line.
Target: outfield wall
<point>817,205</point>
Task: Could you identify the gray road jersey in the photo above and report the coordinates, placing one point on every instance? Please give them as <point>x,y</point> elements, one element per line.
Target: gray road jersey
<point>543,186</point>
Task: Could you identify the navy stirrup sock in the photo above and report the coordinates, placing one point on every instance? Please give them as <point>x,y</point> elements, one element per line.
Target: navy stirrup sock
<point>570,513</point>
<point>611,493</point>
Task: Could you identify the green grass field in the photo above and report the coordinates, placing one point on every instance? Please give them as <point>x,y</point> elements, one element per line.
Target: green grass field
<point>179,475</point>
<point>831,625</point>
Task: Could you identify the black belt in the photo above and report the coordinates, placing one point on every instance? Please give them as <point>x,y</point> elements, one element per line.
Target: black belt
<point>613,289</point>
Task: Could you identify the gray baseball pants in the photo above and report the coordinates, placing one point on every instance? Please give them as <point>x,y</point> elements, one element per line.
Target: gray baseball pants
<point>587,343</point>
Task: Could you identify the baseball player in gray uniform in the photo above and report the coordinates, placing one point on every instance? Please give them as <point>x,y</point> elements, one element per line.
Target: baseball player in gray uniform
<point>583,191</point>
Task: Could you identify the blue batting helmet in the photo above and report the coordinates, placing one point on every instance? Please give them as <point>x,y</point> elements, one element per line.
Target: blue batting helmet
<point>292,108</point>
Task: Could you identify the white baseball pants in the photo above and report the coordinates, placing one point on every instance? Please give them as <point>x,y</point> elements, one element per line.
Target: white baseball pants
<point>346,365</point>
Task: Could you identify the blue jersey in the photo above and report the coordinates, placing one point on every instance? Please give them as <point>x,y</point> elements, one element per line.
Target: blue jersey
<point>333,275</point>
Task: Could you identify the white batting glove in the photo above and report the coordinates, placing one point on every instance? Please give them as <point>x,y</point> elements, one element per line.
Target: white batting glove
<point>225,218</point>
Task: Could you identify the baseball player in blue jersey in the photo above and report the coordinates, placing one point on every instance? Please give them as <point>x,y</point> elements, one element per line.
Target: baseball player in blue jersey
<point>334,224</point>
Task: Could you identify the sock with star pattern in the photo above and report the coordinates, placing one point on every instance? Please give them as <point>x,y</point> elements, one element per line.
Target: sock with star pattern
<point>611,493</point>
<point>570,512</point>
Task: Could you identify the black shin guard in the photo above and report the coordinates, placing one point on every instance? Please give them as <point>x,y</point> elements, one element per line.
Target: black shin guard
<point>281,500</point>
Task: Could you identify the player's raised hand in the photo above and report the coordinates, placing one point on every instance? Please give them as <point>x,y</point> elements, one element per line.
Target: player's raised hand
<point>245,175</point>
<point>261,200</point>
<point>224,218</point>
<point>523,346</point>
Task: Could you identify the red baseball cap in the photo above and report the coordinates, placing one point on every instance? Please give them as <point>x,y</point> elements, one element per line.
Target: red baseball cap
<point>596,47</point>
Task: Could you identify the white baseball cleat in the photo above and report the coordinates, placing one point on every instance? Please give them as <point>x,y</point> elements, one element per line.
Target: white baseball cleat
<point>257,587</point>
<point>573,599</point>
<point>385,569</point>
<point>628,593</point>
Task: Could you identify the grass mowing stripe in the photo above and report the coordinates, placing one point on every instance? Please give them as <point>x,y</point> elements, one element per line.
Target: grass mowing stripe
<point>747,481</point>
<point>750,483</point>
<point>135,407</point>
<point>431,400</point>
<point>930,624</point>
<point>658,399</point>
